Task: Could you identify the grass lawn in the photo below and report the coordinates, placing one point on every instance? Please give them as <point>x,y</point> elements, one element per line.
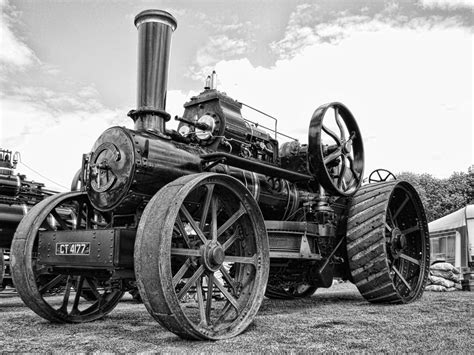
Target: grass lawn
<point>335,319</point>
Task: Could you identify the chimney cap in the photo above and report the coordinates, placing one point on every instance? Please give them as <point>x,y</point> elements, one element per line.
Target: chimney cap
<point>156,16</point>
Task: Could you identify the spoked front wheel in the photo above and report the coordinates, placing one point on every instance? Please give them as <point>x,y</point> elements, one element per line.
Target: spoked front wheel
<point>60,296</point>
<point>202,257</point>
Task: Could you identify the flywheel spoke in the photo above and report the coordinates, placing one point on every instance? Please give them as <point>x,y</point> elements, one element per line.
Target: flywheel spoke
<point>341,173</point>
<point>339,124</point>
<point>334,155</point>
<point>332,134</point>
<point>355,174</point>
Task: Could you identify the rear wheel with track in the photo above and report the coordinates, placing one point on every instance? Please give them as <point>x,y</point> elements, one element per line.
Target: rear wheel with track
<point>388,242</point>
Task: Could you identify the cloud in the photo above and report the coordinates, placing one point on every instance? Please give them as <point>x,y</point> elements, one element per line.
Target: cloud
<point>15,54</point>
<point>409,87</point>
<point>307,26</point>
<point>447,4</point>
<point>217,48</point>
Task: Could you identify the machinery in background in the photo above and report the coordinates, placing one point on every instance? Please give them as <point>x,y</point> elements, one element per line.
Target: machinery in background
<point>17,196</point>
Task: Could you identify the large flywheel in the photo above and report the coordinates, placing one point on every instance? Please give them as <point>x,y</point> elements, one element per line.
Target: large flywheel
<point>335,149</point>
<point>60,296</point>
<point>388,242</point>
<point>202,257</point>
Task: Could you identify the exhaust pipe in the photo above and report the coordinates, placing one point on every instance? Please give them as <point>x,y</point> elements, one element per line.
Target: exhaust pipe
<point>154,38</point>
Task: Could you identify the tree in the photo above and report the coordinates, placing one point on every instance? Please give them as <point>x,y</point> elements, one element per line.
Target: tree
<point>442,196</point>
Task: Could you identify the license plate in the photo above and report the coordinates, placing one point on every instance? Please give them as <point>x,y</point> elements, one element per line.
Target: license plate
<point>73,248</point>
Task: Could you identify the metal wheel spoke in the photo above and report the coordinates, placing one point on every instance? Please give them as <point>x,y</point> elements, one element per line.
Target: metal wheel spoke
<point>181,228</point>
<point>223,312</point>
<point>331,134</point>
<point>100,299</point>
<point>75,309</point>
<point>205,207</point>
<point>43,289</point>
<point>241,259</point>
<point>334,155</point>
<point>67,291</point>
<point>210,289</point>
<point>351,167</point>
<point>200,297</point>
<point>411,229</point>
<point>410,259</point>
<point>191,281</point>
<point>191,221</point>
<point>214,219</point>
<point>400,208</point>
<point>226,293</point>
<point>182,270</point>
<point>401,277</point>
<point>185,252</point>
<point>339,124</point>
<point>390,217</point>
<point>93,288</point>
<point>341,173</point>
<point>380,176</point>
<point>228,278</point>
<point>231,220</point>
<point>230,241</point>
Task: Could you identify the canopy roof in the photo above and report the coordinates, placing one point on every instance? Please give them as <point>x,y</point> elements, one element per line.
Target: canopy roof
<point>453,220</point>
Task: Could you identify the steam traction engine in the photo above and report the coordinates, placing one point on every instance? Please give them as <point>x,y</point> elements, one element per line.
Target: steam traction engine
<point>17,196</point>
<point>208,219</point>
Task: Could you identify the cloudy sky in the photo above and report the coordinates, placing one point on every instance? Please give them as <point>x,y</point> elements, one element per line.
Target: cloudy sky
<point>404,69</point>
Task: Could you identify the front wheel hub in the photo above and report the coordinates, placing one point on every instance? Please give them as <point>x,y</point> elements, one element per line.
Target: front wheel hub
<point>213,255</point>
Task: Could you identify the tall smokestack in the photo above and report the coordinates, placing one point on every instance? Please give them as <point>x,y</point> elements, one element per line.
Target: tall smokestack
<point>154,38</point>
